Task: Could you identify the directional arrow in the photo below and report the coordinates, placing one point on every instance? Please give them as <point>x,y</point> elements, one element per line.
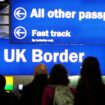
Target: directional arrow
<point>18,13</point>
<point>19,33</point>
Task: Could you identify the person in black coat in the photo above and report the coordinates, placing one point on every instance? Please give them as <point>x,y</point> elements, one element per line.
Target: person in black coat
<point>32,93</point>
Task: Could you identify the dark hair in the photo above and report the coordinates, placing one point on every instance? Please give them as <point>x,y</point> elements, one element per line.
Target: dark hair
<point>41,80</point>
<point>58,75</point>
<point>2,82</point>
<point>90,71</point>
<point>90,89</point>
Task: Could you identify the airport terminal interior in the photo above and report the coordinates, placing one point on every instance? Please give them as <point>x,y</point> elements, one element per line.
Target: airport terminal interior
<point>16,82</point>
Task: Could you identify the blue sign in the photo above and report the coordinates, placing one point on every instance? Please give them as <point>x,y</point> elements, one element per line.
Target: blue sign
<point>21,59</point>
<point>57,21</point>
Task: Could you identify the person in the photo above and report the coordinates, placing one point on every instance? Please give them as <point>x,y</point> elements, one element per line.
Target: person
<point>58,77</point>
<point>90,89</point>
<point>5,97</point>
<point>32,93</point>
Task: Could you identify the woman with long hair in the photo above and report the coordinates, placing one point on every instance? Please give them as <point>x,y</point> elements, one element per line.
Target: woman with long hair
<point>90,89</point>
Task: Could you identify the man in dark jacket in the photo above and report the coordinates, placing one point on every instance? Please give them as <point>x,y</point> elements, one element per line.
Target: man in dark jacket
<point>32,93</point>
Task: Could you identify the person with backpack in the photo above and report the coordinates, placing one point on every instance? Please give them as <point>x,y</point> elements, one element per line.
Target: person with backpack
<point>58,92</point>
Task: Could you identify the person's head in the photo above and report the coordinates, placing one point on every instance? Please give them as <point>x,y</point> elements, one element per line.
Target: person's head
<point>41,79</point>
<point>58,75</point>
<point>2,82</point>
<point>90,70</point>
<point>40,69</point>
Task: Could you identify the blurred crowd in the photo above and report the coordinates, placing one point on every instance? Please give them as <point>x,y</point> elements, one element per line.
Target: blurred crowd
<point>55,88</point>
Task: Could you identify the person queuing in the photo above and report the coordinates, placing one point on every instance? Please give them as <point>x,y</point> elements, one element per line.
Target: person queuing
<point>90,89</point>
<point>5,97</point>
<point>32,93</point>
<point>58,92</point>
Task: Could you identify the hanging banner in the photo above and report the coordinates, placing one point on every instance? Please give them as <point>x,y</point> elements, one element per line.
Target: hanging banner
<point>57,21</point>
<point>21,59</point>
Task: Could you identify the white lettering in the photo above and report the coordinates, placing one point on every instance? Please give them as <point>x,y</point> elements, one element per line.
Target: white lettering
<point>58,13</point>
<point>56,55</point>
<point>91,15</point>
<point>37,55</point>
<point>37,13</point>
<point>73,57</point>
<point>7,57</point>
<point>81,55</point>
<point>20,55</point>
<point>40,56</point>
<point>63,56</point>
<point>40,33</point>
<point>14,55</point>
<point>47,57</point>
<point>60,34</point>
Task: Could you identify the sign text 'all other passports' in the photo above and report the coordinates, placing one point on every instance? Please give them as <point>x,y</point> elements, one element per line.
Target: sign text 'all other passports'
<point>57,21</point>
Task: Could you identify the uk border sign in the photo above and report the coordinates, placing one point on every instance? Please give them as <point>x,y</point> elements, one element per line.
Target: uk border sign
<point>20,59</point>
